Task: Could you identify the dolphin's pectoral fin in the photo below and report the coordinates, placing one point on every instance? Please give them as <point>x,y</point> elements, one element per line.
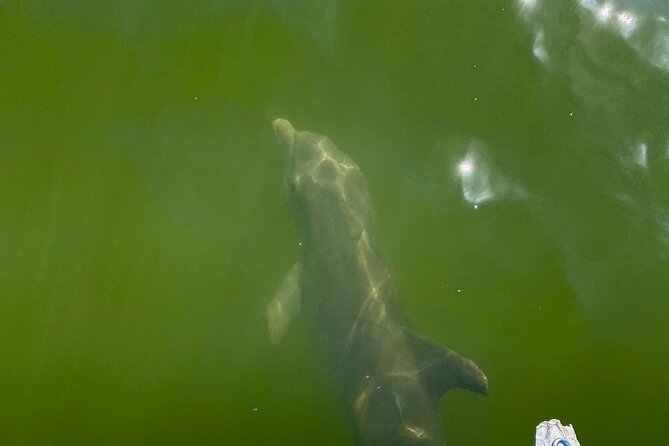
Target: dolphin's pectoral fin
<point>284,305</point>
<point>442,369</point>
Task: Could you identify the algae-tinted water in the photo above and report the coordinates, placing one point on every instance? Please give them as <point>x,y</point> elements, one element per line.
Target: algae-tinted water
<point>517,156</point>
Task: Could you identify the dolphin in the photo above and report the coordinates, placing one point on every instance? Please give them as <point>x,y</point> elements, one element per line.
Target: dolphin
<point>389,379</point>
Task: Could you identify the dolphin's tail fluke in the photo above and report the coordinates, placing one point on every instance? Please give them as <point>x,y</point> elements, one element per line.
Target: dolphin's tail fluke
<point>443,369</point>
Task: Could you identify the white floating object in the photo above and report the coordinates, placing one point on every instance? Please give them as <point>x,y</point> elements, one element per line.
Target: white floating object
<point>553,433</point>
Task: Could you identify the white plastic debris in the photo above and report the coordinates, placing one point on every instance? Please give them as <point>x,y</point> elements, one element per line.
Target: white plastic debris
<point>553,433</point>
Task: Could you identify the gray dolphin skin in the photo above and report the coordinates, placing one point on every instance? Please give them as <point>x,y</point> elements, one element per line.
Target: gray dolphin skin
<point>389,379</point>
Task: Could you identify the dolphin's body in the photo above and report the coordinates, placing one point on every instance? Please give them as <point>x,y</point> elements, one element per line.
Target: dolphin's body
<point>390,379</point>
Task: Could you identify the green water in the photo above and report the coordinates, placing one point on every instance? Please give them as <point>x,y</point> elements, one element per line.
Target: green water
<point>143,226</point>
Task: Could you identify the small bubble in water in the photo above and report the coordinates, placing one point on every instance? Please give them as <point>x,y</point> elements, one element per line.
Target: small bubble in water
<point>255,409</point>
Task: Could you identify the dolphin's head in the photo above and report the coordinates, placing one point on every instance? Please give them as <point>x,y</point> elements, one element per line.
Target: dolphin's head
<point>325,187</point>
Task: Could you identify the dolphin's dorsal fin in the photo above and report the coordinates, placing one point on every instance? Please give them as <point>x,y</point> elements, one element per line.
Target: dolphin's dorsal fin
<point>442,369</point>
<point>285,305</point>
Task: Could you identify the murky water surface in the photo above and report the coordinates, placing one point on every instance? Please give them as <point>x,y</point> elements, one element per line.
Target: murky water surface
<point>517,154</point>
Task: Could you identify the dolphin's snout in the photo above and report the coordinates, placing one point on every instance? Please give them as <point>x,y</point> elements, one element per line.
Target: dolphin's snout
<point>285,133</point>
